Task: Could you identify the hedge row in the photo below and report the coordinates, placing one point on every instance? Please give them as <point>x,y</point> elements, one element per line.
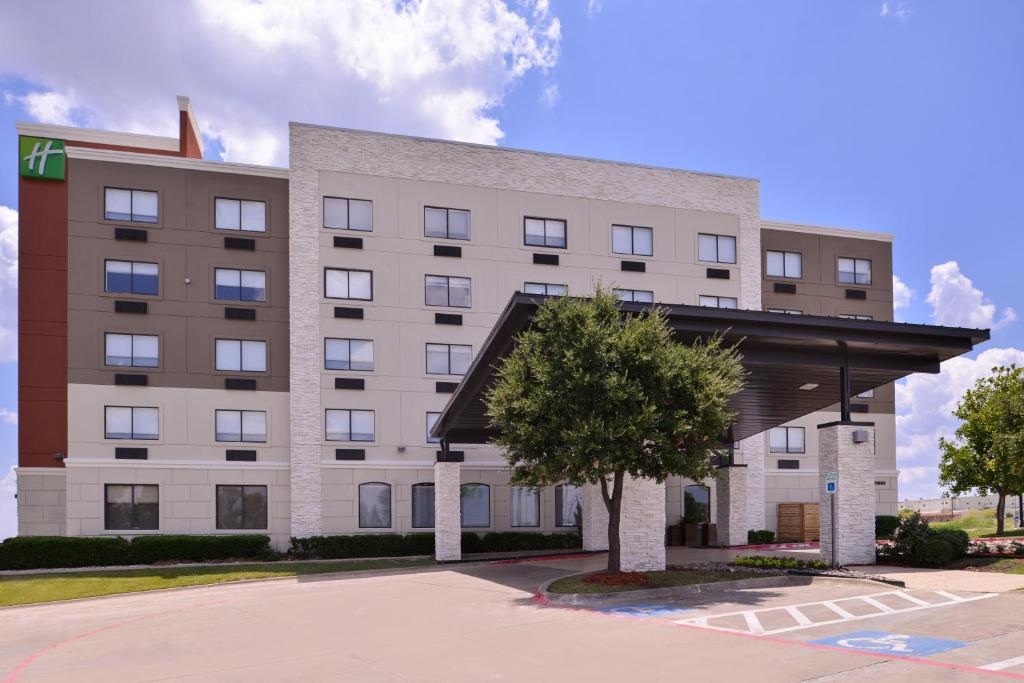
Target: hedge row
<point>397,545</point>
<point>52,552</point>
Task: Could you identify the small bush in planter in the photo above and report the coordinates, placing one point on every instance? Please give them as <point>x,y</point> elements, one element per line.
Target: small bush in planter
<point>760,537</point>
<point>935,552</point>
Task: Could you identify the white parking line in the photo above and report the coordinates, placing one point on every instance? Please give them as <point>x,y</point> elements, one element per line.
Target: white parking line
<point>754,626</point>
<point>1005,664</point>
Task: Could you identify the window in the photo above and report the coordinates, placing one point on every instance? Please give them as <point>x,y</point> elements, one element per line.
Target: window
<point>784,264</point>
<point>544,232</point>
<point>475,501</point>
<point>123,422</point>
<point>130,205</point>
<point>348,354</point>
<point>525,506</point>
<point>348,214</point>
<point>786,440</point>
<point>249,426</point>
<point>348,284</point>
<point>350,425</point>
<point>716,248</point>
<point>239,285</point>
<point>452,224</point>
<point>422,506</point>
<point>132,350</point>
<point>241,507</point>
<point>131,277</point>
<point>628,239</point>
<point>790,311</point>
<point>545,288</point>
<point>442,290</point>
<point>374,506</point>
<point>131,506</point>
<point>568,505</point>
<point>853,316</point>
<point>696,504</point>
<point>431,421</point>
<point>717,301</point>
<point>642,296</point>
<point>240,214</point>
<point>241,355</point>
<point>448,359</point>
<point>870,393</point>
<point>854,271</point>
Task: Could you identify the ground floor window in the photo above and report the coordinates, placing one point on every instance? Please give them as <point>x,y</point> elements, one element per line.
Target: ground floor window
<point>241,507</point>
<point>423,506</point>
<point>568,505</point>
<point>131,506</point>
<point>374,506</point>
<point>476,505</point>
<point>696,504</point>
<point>525,506</point>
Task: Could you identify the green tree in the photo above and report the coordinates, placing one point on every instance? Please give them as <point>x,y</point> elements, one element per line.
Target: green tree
<point>589,395</point>
<point>987,453</point>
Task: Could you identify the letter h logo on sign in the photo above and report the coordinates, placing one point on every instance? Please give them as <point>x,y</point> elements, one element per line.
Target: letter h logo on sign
<point>41,158</point>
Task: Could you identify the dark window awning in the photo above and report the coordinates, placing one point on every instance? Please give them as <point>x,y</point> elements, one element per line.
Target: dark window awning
<point>781,352</point>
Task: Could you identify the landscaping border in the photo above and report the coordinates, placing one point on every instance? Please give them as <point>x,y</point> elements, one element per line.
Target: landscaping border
<point>610,599</point>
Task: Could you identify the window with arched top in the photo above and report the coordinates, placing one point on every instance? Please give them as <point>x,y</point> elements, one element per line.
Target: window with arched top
<point>374,505</point>
<point>475,502</point>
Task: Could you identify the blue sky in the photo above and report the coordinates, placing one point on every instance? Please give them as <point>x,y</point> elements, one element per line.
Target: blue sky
<point>900,117</point>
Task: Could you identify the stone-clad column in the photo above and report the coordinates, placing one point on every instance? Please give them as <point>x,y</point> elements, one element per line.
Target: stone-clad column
<point>848,449</point>
<point>731,505</point>
<point>642,525</point>
<point>447,512</point>
<point>595,518</point>
<point>752,455</point>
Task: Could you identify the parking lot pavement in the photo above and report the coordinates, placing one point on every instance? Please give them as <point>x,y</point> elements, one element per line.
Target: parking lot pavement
<point>473,623</point>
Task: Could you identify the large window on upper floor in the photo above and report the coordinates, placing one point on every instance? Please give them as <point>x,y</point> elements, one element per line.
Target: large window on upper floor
<point>348,354</point>
<point>249,426</point>
<point>717,301</point>
<point>131,277</point>
<point>545,288</point>
<point>129,422</point>
<point>452,224</point>
<point>790,311</point>
<point>241,507</point>
<point>231,284</point>
<point>131,507</point>
<point>854,271</point>
<point>341,283</point>
<point>131,350</point>
<point>139,206</point>
<point>855,316</point>
<point>448,359</point>
<point>348,214</point>
<point>241,355</point>
<point>349,425</point>
<point>431,421</point>
<point>443,290</point>
<point>642,296</point>
<point>240,214</point>
<point>544,232</point>
<point>630,239</point>
<point>788,264</point>
<point>716,248</point>
<point>786,440</point>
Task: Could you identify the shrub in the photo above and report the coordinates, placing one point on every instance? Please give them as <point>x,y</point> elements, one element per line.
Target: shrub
<point>362,545</point>
<point>760,537</point>
<point>513,541</point>
<point>1016,548</point>
<point>958,540</point>
<point>885,525</point>
<point>762,562</point>
<point>910,535</point>
<point>158,548</point>
<point>935,552</point>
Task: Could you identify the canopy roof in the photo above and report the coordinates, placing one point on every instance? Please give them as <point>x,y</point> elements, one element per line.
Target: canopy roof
<point>784,355</point>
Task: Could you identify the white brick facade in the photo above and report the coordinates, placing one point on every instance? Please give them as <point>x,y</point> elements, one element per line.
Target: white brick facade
<point>854,536</point>
<point>447,512</point>
<point>731,505</point>
<point>642,525</point>
<point>595,519</point>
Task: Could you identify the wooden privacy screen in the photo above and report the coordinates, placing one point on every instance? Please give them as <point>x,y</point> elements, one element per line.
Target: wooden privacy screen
<point>798,522</point>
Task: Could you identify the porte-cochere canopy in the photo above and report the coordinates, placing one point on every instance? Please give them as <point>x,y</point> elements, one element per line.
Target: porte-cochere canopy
<point>797,364</point>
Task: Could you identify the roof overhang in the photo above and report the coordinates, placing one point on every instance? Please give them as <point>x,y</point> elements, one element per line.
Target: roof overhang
<point>781,353</point>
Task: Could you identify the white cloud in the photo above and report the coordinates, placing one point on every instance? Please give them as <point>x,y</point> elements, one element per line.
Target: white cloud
<point>956,301</point>
<point>594,8</point>
<point>902,294</point>
<point>924,407</point>
<point>45,107</point>
<point>435,68</point>
<point>899,10</point>
<point>8,285</point>
<point>8,416</point>
<point>8,505</point>
<point>550,95</point>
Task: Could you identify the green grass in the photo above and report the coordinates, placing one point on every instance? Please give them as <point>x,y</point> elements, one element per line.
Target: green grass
<point>1001,565</point>
<point>979,524</point>
<point>24,589</point>
<point>666,579</point>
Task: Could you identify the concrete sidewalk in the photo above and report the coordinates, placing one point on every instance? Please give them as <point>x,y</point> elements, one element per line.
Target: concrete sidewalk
<point>947,579</point>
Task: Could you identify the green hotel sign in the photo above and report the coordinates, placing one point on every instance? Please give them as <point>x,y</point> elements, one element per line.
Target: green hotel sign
<point>41,158</point>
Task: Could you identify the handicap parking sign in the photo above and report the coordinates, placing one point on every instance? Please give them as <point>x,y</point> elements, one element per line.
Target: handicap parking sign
<point>896,644</point>
<point>644,611</point>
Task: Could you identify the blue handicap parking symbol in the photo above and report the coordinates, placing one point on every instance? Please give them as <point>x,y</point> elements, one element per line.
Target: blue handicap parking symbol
<point>895,644</point>
<point>644,611</point>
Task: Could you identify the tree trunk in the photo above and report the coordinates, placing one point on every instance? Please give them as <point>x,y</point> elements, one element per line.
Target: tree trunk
<point>1001,512</point>
<point>613,501</point>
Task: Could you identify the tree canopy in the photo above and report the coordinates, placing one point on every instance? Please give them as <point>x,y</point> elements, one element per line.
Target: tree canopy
<point>590,394</point>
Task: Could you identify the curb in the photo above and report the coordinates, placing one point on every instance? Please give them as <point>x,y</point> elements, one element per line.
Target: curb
<point>609,599</point>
